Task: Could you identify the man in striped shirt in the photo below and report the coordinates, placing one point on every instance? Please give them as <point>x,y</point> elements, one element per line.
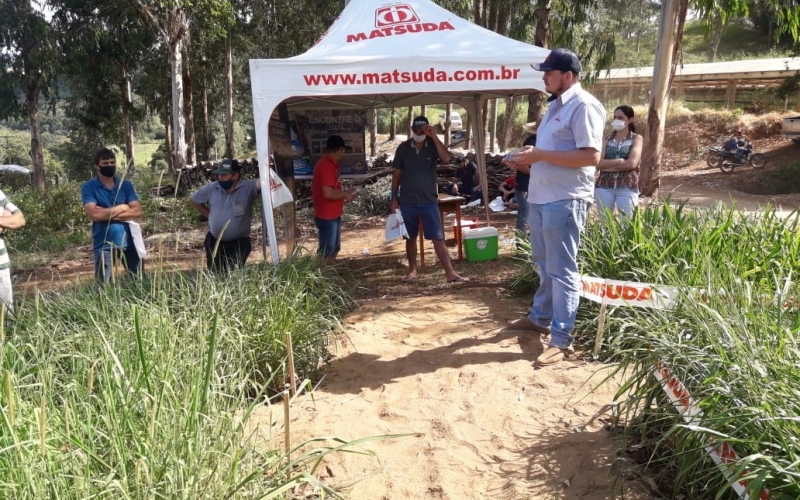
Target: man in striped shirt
<point>11,218</point>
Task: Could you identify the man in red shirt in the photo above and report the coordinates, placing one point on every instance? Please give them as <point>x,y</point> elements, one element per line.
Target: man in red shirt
<point>329,199</point>
<point>507,188</point>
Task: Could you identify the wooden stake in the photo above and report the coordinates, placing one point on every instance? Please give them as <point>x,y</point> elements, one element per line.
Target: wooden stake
<point>286,435</point>
<point>598,340</point>
<point>289,352</point>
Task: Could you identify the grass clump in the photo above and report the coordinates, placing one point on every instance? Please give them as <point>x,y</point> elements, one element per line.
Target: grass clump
<point>145,389</point>
<point>732,340</point>
<point>736,352</point>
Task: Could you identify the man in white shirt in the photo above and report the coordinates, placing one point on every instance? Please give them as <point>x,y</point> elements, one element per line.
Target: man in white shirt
<point>561,190</point>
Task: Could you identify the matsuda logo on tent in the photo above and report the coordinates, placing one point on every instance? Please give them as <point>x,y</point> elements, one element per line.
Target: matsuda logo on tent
<point>395,14</point>
<point>397,19</point>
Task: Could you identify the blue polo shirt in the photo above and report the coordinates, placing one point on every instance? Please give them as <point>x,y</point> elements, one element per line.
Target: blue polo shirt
<point>108,233</point>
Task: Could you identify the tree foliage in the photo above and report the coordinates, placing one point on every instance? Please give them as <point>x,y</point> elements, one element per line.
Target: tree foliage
<point>29,58</point>
<point>96,48</point>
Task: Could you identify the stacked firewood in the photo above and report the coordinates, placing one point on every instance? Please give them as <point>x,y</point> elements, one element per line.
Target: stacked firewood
<point>194,176</point>
<point>496,172</point>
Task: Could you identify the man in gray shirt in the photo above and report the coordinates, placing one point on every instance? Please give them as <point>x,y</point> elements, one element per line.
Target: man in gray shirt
<point>415,193</point>
<point>560,192</point>
<point>228,206</point>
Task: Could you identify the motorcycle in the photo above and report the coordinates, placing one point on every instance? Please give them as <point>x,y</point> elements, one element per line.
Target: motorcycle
<point>727,160</point>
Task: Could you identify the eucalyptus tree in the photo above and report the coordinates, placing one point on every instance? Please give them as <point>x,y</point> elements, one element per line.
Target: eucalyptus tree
<point>564,23</point>
<point>493,15</point>
<point>504,17</point>
<point>172,21</point>
<point>673,18</point>
<point>154,88</point>
<point>203,52</point>
<point>268,29</point>
<point>29,68</point>
<point>633,27</point>
<point>104,44</point>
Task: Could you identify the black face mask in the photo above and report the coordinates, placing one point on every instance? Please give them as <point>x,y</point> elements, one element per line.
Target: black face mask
<point>108,171</point>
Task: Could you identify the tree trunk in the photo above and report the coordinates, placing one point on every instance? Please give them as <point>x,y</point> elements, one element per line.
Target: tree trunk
<point>127,102</point>
<point>535,105</point>
<point>502,20</point>
<point>206,153</point>
<point>410,120</point>
<point>373,132</point>
<point>392,124</point>
<point>541,39</point>
<point>37,157</point>
<point>468,134</point>
<point>178,118</point>
<point>448,112</point>
<point>542,36</point>
<point>639,27</point>
<point>485,122</point>
<point>491,16</point>
<point>714,37</point>
<point>188,102</point>
<point>168,133</point>
<point>492,124</point>
<point>508,120</point>
<point>670,31</point>
<point>230,147</point>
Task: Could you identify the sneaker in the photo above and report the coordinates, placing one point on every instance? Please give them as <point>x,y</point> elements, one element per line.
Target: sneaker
<point>551,356</point>
<point>526,324</point>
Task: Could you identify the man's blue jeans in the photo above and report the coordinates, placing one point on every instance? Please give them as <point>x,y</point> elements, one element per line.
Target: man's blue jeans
<point>104,258</point>
<point>555,237</point>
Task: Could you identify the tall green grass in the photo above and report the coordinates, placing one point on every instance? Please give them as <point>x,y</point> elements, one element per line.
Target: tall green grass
<point>737,354</point>
<point>732,340</point>
<point>144,390</point>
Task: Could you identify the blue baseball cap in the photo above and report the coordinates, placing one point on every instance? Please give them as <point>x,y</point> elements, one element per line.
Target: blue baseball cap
<point>419,122</point>
<point>561,60</point>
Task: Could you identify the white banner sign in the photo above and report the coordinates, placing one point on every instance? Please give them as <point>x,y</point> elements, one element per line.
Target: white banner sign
<point>722,453</point>
<point>627,293</point>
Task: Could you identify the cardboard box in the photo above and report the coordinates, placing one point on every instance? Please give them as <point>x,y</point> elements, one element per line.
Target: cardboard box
<point>480,244</point>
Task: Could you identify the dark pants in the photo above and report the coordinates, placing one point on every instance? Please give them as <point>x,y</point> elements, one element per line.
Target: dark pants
<point>227,255</point>
<point>473,194</point>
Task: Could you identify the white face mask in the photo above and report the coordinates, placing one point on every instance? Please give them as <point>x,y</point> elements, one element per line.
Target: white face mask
<point>418,138</point>
<point>618,124</point>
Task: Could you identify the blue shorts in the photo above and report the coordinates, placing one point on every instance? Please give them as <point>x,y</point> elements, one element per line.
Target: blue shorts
<point>330,232</point>
<point>431,220</point>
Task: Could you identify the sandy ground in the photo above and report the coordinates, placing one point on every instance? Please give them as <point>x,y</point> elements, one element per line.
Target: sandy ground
<point>438,363</point>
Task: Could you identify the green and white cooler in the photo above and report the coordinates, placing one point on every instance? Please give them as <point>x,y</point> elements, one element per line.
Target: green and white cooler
<point>480,244</point>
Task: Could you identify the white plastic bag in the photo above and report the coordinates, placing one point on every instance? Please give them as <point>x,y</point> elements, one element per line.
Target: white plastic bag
<point>138,241</point>
<point>497,204</point>
<point>395,227</point>
<point>278,190</point>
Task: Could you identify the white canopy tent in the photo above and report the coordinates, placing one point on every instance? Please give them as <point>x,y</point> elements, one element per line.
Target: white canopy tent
<point>380,53</point>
